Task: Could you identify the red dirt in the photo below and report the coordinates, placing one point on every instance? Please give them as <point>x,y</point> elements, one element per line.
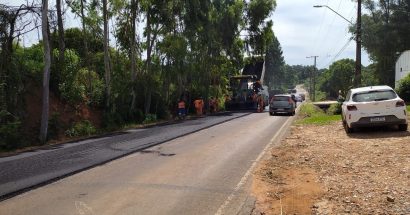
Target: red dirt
<point>67,114</point>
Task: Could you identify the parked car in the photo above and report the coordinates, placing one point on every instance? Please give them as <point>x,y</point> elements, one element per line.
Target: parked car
<point>298,98</point>
<point>282,104</point>
<point>373,106</point>
<point>302,95</point>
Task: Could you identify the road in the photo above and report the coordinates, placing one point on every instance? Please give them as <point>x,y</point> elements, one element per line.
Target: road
<point>206,172</point>
<point>28,170</point>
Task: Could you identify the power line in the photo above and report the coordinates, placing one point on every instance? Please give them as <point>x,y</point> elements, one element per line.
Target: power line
<point>340,52</point>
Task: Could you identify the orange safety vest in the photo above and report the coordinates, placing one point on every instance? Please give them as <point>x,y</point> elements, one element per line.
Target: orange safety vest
<point>198,103</point>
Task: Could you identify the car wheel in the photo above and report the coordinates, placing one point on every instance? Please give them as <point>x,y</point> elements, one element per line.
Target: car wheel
<point>403,127</point>
<point>271,113</point>
<point>347,128</point>
<point>293,113</point>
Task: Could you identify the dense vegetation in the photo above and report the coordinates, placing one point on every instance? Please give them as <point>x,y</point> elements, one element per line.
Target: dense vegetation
<point>385,30</point>
<point>131,71</point>
<point>129,61</point>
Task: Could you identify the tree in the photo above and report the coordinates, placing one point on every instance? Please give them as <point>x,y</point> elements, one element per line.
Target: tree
<point>61,44</point>
<point>258,28</point>
<point>107,61</point>
<point>46,75</point>
<point>274,63</point>
<point>12,25</point>
<point>134,7</point>
<point>338,77</point>
<point>385,32</point>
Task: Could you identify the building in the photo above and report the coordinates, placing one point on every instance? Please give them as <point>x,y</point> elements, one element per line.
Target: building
<point>402,66</point>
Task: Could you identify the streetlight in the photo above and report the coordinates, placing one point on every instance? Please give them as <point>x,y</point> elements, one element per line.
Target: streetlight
<point>357,78</point>
<point>319,6</point>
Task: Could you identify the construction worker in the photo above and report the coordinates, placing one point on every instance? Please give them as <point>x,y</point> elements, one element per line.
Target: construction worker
<point>181,109</point>
<point>199,105</point>
<point>257,87</point>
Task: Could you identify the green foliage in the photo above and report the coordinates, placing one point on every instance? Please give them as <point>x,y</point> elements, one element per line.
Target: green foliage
<point>404,88</point>
<point>10,131</point>
<point>320,96</point>
<point>386,29</point>
<point>150,118</point>
<point>194,47</point>
<point>309,110</point>
<point>313,115</point>
<point>369,76</point>
<point>275,72</point>
<point>334,109</point>
<point>69,87</point>
<point>31,61</point>
<point>339,76</point>
<point>79,84</point>
<point>83,128</point>
<point>93,84</point>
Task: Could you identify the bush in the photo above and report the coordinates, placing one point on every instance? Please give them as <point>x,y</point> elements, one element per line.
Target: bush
<point>320,96</point>
<point>314,115</point>
<point>149,118</point>
<point>309,109</point>
<point>10,131</point>
<point>83,128</point>
<point>404,88</point>
<point>334,109</point>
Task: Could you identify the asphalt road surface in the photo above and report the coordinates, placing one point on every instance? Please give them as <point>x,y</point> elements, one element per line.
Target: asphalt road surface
<point>22,172</point>
<point>206,172</point>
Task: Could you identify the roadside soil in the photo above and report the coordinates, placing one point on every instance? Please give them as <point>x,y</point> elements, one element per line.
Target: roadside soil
<point>321,170</point>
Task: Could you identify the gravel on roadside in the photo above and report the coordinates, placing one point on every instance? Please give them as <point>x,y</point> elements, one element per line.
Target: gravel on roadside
<point>322,170</point>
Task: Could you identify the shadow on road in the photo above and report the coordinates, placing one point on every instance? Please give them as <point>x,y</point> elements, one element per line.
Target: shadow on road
<point>378,132</point>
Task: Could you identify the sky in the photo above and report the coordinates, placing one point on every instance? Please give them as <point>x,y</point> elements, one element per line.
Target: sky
<point>304,31</point>
<point>301,29</point>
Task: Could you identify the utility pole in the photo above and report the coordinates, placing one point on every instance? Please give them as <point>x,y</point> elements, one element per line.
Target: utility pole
<point>313,78</point>
<point>358,67</point>
<point>358,73</point>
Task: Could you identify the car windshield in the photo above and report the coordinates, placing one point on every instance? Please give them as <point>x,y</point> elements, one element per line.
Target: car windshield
<point>280,98</point>
<point>376,95</point>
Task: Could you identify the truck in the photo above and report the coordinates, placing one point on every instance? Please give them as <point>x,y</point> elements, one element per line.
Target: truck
<point>243,94</point>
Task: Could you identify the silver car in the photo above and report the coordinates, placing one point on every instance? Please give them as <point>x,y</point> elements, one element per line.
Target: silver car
<point>282,104</point>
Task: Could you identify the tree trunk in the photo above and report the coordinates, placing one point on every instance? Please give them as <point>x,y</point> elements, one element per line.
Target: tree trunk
<point>106,56</point>
<point>150,45</point>
<point>133,57</point>
<point>61,44</point>
<point>46,75</point>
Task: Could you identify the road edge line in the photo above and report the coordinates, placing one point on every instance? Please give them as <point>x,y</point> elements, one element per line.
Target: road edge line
<point>248,173</point>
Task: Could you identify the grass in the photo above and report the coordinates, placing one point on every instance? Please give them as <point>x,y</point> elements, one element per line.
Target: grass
<point>408,108</point>
<point>310,114</point>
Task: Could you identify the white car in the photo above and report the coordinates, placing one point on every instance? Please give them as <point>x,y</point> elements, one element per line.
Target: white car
<point>373,106</point>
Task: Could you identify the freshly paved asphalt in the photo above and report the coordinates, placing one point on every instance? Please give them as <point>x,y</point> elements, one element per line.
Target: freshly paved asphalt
<point>32,169</point>
<point>206,172</point>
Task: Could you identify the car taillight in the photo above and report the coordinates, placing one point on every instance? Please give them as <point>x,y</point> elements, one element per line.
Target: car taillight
<point>272,99</point>
<point>351,108</point>
<point>400,104</point>
<point>290,100</point>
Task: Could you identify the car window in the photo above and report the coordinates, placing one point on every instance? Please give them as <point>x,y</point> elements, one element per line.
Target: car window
<point>280,98</point>
<point>376,95</point>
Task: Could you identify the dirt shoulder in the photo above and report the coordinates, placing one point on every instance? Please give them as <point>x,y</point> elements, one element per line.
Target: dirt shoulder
<point>321,170</point>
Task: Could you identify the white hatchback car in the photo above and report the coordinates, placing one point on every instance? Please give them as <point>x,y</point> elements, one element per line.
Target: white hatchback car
<point>373,106</point>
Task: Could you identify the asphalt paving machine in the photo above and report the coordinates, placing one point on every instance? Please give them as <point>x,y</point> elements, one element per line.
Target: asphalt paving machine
<point>246,90</point>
